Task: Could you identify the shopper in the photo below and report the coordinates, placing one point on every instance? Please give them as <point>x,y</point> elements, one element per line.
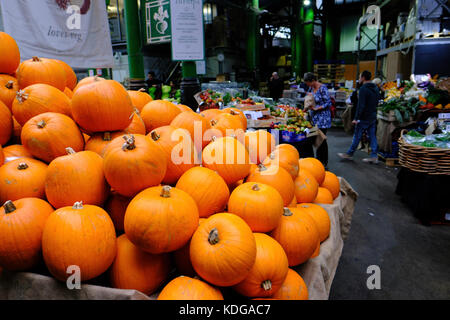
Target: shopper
<point>276,86</point>
<point>153,82</point>
<point>320,114</point>
<point>365,118</point>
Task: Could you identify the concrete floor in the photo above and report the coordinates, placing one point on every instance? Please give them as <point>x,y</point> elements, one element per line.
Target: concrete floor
<point>414,259</point>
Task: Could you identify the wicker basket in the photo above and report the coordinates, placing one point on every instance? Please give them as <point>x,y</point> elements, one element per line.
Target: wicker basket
<point>433,161</point>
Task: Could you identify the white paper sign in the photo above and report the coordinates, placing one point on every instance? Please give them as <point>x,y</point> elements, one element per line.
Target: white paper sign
<point>76,32</point>
<point>187,30</point>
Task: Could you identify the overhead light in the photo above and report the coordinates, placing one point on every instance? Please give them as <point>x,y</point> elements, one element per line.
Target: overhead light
<point>307,2</point>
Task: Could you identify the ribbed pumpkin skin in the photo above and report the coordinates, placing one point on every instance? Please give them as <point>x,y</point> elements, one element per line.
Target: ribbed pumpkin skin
<point>276,177</point>
<point>6,124</point>
<point>102,106</point>
<point>229,125</point>
<point>229,261</point>
<point>8,89</point>
<point>235,111</point>
<point>306,187</point>
<point>259,144</point>
<point>49,142</point>
<point>15,151</point>
<point>37,99</point>
<point>41,70</point>
<point>314,166</point>
<point>21,233</point>
<point>22,178</point>
<point>271,264</point>
<point>260,205</point>
<point>161,219</point>
<point>179,142</point>
<point>87,80</point>
<point>71,77</point>
<point>229,158</point>
<point>323,196</point>
<point>285,156</point>
<point>207,188</point>
<point>293,288</point>
<point>10,54</point>
<point>76,177</point>
<point>116,206</point>
<point>159,113</point>
<point>331,182</point>
<point>68,93</point>
<point>298,235</point>
<point>211,114</point>
<point>186,288</point>
<point>139,99</point>
<point>99,142</point>
<point>135,269</point>
<point>88,232</point>
<point>190,121</point>
<point>129,172</point>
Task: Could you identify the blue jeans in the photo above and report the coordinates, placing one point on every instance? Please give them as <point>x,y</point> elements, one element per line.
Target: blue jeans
<point>359,129</point>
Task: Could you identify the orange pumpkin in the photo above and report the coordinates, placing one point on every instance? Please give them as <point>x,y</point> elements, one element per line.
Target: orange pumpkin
<point>229,125</point>
<point>223,250</point>
<point>161,219</point>
<point>71,77</point>
<point>137,125</point>
<point>41,70</point>
<point>178,149</point>
<point>135,269</point>
<point>132,166</point>
<point>317,251</point>
<point>293,204</point>
<point>139,99</point>
<point>293,288</point>
<point>306,187</point>
<point>321,218</point>
<point>259,144</point>
<point>240,113</point>
<point>285,156</point>
<point>46,136</point>
<point>37,99</point>
<point>323,196</point>
<point>2,156</point>
<point>116,206</point>
<point>68,93</point>
<point>89,233</point>
<point>102,106</point>
<point>159,113</point>
<point>6,124</point>
<point>16,151</point>
<point>298,235</point>
<point>10,54</point>
<point>269,271</point>
<point>331,182</point>
<point>22,178</point>
<point>21,226</point>
<point>277,178</point>
<point>17,131</point>
<point>87,80</point>
<point>76,177</point>
<point>196,124</point>
<point>314,166</point>
<point>207,188</point>
<point>98,142</point>
<point>260,205</point>
<point>228,157</point>
<point>8,89</point>
<point>184,108</point>
<point>186,288</point>
<point>211,114</point>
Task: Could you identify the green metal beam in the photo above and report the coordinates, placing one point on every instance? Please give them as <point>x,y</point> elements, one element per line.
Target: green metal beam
<point>308,37</point>
<point>253,37</point>
<point>134,43</point>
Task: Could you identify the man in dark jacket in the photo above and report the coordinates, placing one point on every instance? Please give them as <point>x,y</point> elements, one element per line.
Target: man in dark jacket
<point>276,86</point>
<point>365,118</point>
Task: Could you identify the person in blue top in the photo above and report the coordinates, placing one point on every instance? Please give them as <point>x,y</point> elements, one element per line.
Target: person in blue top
<point>320,115</point>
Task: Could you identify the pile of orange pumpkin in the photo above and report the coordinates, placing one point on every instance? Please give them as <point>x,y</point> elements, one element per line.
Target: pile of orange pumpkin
<point>87,178</point>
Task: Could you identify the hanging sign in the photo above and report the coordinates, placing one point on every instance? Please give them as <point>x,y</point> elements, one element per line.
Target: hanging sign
<point>157,19</point>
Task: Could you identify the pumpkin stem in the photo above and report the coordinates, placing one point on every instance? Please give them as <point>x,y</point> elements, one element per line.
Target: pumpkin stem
<point>22,166</point>
<point>165,192</point>
<point>214,138</point>
<point>129,144</point>
<point>9,207</point>
<point>107,136</point>
<point>141,90</point>
<point>213,237</point>
<point>266,285</point>
<point>155,136</point>
<point>21,96</point>
<point>262,167</point>
<point>36,59</point>
<point>272,156</point>
<point>233,113</point>
<point>70,151</point>
<point>213,123</point>
<point>41,124</point>
<point>287,212</point>
<point>9,85</point>
<point>78,205</point>
<point>255,187</point>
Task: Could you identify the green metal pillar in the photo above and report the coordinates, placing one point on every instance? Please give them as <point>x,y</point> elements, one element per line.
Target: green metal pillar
<point>189,69</point>
<point>296,42</point>
<point>308,37</point>
<point>253,39</point>
<point>134,45</point>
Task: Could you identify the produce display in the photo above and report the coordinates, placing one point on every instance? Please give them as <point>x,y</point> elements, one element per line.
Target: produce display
<point>125,188</point>
<point>430,141</point>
